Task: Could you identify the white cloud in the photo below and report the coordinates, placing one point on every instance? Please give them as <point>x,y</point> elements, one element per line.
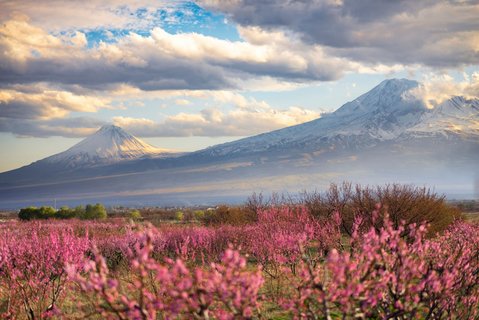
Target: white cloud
<point>40,110</point>
<point>160,61</point>
<point>42,102</point>
<point>182,102</point>
<point>59,15</point>
<point>437,88</point>
<point>48,70</point>
<point>249,117</point>
<point>65,127</point>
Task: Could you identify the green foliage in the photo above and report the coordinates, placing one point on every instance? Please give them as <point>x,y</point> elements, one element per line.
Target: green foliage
<point>93,212</point>
<point>135,215</point>
<point>79,211</point>
<point>199,214</point>
<point>179,216</point>
<point>46,212</point>
<point>28,213</point>
<point>97,211</point>
<point>65,213</point>
<point>36,213</point>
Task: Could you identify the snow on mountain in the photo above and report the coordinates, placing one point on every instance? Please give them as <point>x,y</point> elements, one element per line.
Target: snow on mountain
<point>390,96</point>
<point>387,112</point>
<point>457,116</point>
<point>110,144</point>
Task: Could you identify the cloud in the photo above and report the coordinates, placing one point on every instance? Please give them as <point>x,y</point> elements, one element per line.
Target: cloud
<point>436,89</point>
<point>59,15</point>
<point>49,70</point>
<point>41,111</point>
<point>42,102</point>
<point>68,127</point>
<point>248,118</point>
<point>158,61</point>
<point>433,33</point>
<point>182,102</point>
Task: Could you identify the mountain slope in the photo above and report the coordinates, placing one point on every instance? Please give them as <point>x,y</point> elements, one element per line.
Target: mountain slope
<point>454,117</point>
<point>95,155</point>
<point>387,112</point>
<point>110,144</point>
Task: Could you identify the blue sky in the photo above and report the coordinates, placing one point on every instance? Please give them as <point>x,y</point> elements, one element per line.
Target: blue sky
<point>187,75</point>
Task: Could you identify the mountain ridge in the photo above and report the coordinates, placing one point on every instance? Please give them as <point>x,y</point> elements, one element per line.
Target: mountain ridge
<point>385,135</point>
<point>385,112</point>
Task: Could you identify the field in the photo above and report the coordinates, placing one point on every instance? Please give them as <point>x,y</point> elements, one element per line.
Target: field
<point>330,256</point>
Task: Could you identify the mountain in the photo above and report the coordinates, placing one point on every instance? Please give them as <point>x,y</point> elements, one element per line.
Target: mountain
<point>110,144</point>
<point>386,135</point>
<point>386,113</point>
<point>95,155</point>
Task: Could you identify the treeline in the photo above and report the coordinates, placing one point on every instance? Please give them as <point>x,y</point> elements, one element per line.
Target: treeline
<point>402,203</point>
<point>88,212</point>
<point>406,203</point>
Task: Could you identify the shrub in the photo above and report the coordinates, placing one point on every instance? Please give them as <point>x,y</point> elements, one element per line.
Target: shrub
<point>386,276</point>
<point>199,214</point>
<point>96,211</point>
<point>135,215</point>
<point>401,202</point>
<point>32,268</point>
<point>32,213</point>
<point>65,213</point>
<point>226,290</point>
<point>384,270</point>
<point>179,216</point>
<point>79,211</point>
<point>28,213</point>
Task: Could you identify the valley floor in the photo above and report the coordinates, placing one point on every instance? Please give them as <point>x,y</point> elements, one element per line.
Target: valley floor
<point>278,262</point>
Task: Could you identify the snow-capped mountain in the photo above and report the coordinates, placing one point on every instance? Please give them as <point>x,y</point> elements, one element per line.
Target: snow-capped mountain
<point>110,144</point>
<point>388,112</point>
<point>387,135</point>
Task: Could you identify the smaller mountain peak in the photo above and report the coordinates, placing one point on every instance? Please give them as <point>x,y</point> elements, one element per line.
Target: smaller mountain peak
<point>398,81</point>
<point>111,130</point>
<point>107,145</point>
<point>109,127</point>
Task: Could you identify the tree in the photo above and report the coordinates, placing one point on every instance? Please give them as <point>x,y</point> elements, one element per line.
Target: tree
<point>79,211</point>
<point>179,216</point>
<point>36,213</point>
<point>65,213</point>
<point>135,214</point>
<point>28,213</point>
<point>96,211</point>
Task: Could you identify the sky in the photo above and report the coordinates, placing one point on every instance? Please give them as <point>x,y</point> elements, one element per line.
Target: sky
<point>184,75</point>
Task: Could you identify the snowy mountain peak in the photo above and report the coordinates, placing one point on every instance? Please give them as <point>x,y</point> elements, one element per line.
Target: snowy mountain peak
<point>109,144</point>
<point>388,112</point>
<point>111,127</point>
<point>396,85</point>
<point>389,96</point>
